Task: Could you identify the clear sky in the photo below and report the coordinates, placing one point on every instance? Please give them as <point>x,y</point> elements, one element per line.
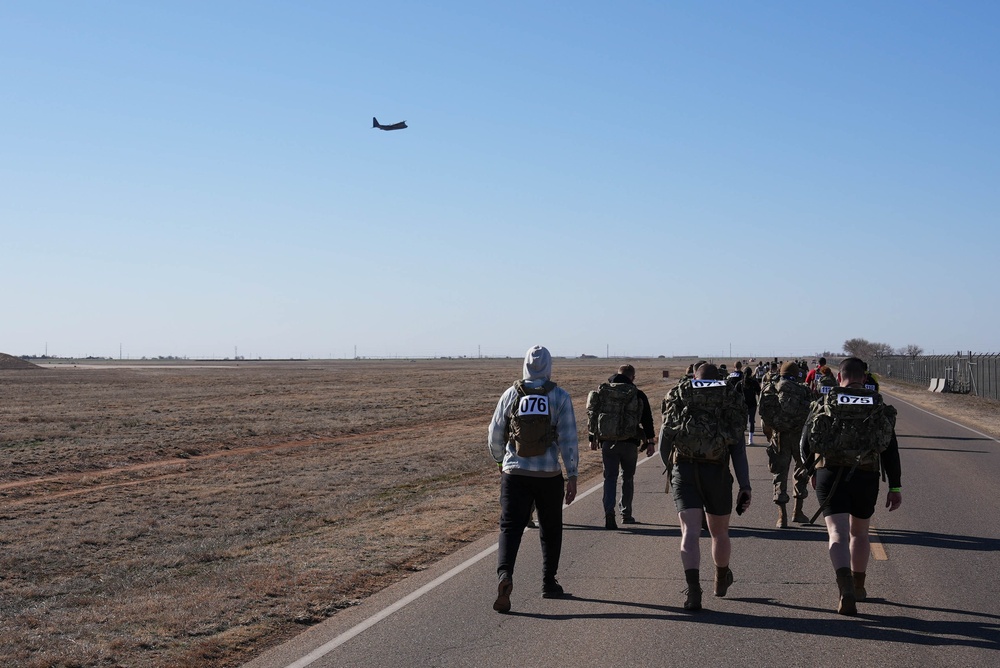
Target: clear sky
<point>639,178</point>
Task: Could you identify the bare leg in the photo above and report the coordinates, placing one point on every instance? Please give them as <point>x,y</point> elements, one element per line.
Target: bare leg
<point>718,526</point>
<point>690,521</point>
<point>839,529</point>
<point>860,544</point>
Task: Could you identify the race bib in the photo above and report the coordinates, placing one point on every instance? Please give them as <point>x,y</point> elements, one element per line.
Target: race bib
<point>871,387</point>
<point>855,401</point>
<point>533,404</point>
<point>696,383</point>
<point>825,389</point>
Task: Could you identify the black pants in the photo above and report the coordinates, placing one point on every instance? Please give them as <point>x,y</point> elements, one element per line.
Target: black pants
<point>517,492</point>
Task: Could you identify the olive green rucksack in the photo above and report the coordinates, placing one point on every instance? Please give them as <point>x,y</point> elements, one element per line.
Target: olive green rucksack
<point>703,419</point>
<point>784,405</point>
<point>529,421</point>
<point>614,411</point>
<point>850,426</point>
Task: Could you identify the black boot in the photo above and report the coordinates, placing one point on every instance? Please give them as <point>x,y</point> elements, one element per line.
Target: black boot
<point>693,590</point>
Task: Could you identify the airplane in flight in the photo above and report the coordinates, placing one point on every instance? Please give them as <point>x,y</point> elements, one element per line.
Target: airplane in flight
<point>395,126</point>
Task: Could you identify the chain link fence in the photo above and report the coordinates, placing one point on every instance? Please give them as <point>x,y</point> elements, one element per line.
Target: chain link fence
<point>973,373</point>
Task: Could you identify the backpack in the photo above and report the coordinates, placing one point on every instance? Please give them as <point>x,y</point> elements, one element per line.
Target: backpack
<point>613,412</point>
<point>824,384</point>
<point>704,418</point>
<point>849,427</point>
<point>784,405</point>
<point>529,421</point>
<point>735,381</point>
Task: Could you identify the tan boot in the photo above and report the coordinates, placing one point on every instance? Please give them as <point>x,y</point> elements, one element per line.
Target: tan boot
<point>848,598</point>
<point>782,522</point>
<point>723,579</point>
<point>797,514</point>
<point>860,593</point>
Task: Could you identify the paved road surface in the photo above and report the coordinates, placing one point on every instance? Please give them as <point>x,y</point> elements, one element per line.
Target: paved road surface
<point>933,583</point>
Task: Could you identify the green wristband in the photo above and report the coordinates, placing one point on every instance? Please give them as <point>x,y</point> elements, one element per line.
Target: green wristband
<point>896,489</point>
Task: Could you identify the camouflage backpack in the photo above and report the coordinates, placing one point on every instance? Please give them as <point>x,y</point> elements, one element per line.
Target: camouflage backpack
<point>613,411</point>
<point>529,422</point>
<point>824,384</point>
<point>849,426</point>
<point>784,405</point>
<point>703,419</point>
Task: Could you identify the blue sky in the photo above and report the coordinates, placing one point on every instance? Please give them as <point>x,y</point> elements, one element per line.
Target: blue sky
<point>644,178</point>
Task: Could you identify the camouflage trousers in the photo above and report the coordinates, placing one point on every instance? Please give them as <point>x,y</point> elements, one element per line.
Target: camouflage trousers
<point>781,451</point>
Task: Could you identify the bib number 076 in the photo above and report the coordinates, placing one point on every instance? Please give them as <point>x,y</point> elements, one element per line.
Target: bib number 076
<point>533,405</point>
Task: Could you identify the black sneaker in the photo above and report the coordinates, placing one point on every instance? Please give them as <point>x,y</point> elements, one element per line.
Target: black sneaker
<point>628,519</point>
<point>552,589</point>
<point>609,521</point>
<point>504,587</point>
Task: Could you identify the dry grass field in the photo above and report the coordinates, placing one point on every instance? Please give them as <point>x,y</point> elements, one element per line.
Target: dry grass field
<point>186,515</point>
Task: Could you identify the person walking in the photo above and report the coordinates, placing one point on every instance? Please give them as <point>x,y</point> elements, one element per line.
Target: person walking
<point>619,422</point>
<point>533,426</point>
<point>850,436</point>
<point>751,390</point>
<point>703,424</point>
<point>784,406</point>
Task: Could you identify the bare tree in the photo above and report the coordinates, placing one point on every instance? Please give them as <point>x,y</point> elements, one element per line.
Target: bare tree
<point>911,350</point>
<point>880,350</point>
<point>861,348</point>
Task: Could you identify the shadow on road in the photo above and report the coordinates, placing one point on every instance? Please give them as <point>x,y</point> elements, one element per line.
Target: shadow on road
<point>823,622</point>
<point>868,626</point>
<point>974,452</point>
<point>807,532</point>
<point>938,540</point>
<point>944,438</point>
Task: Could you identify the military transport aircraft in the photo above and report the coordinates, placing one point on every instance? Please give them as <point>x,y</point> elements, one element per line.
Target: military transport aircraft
<point>395,126</point>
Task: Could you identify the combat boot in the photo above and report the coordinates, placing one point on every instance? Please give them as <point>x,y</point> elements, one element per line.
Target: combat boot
<point>782,522</point>
<point>723,579</point>
<point>693,591</point>
<point>797,514</point>
<point>860,593</point>
<point>848,598</point>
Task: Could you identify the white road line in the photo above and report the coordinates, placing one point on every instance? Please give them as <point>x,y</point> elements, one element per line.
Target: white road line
<point>326,648</point>
<point>957,424</point>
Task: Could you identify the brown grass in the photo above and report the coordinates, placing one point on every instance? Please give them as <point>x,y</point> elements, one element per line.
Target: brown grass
<point>193,516</point>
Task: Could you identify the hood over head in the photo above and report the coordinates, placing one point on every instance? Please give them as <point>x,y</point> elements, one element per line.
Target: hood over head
<point>537,363</point>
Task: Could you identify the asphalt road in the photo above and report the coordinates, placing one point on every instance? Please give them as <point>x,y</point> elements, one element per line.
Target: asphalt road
<point>933,584</point>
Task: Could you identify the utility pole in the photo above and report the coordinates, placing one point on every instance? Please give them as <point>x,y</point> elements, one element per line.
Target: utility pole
<point>119,352</point>
<point>607,351</point>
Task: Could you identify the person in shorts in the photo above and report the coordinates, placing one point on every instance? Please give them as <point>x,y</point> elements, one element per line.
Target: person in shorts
<point>847,497</point>
<point>705,490</point>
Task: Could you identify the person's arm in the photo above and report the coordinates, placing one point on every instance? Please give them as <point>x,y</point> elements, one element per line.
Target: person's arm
<point>498,426</point>
<point>566,439</point>
<point>894,472</point>
<point>804,450</point>
<point>647,423</point>
<point>741,469</point>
